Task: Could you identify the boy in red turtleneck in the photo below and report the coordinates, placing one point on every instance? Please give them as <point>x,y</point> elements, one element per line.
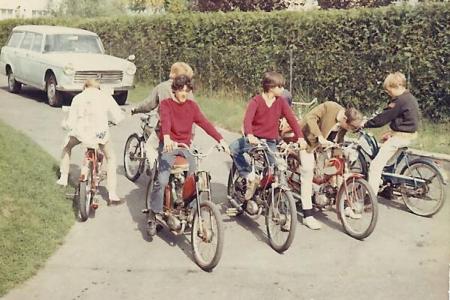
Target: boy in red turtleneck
<point>261,121</point>
<point>177,115</point>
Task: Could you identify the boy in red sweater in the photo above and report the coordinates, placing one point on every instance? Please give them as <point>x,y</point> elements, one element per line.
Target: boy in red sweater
<point>177,115</point>
<point>261,121</point>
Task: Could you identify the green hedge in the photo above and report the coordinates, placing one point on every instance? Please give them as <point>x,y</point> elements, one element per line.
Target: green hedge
<point>336,55</point>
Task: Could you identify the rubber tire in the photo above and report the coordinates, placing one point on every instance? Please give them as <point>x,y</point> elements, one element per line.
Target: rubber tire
<point>57,98</point>
<point>441,181</point>
<point>84,200</point>
<point>293,213</point>
<point>121,98</point>
<point>341,213</point>
<point>208,266</point>
<point>230,187</point>
<point>132,177</point>
<point>14,86</point>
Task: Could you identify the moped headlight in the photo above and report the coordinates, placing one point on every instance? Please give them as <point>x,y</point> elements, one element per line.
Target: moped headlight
<point>69,69</point>
<point>131,70</point>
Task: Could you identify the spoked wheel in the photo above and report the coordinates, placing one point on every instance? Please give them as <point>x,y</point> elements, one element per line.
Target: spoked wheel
<point>85,195</point>
<point>357,208</point>
<point>133,158</point>
<point>207,239</point>
<point>424,193</point>
<point>281,220</point>
<point>13,85</point>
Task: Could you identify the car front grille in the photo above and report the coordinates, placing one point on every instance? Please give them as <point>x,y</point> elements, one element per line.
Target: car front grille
<point>101,76</point>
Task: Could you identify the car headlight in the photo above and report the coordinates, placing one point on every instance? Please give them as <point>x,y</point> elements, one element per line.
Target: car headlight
<point>69,69</point>
<point>131,69</point>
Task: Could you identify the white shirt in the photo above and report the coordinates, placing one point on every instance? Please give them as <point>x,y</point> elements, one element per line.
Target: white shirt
<point>89,115</point>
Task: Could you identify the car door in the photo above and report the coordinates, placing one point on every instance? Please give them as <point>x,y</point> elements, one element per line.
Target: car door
<point>22,57</point>
<point>33,60</point>
<point>10,51</point>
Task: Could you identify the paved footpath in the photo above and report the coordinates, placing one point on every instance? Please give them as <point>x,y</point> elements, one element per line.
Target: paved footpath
<point>109,256</point>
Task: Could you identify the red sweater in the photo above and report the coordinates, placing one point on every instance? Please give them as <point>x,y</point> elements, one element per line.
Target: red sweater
<point>263,121</point>
<point>177,119</point>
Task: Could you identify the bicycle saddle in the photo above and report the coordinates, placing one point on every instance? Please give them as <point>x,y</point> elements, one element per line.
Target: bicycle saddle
<point>181,165</point>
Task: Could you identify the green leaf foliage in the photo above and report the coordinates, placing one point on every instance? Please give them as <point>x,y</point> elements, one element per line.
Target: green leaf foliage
<point>340,55</point>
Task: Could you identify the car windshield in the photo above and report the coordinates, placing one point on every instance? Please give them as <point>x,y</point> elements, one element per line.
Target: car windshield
<point>73,43</point>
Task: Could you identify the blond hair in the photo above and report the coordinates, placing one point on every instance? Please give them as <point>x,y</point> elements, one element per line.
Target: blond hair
<point>181,68</point>
<point>394,80</point>
<point>91,83</point>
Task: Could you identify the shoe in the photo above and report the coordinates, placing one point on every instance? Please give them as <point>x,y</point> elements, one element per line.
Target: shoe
<point>286,227</point>
<point>113,197</point>
<point>151,229</point>
<point>63,180</point>
<point>351,214</point>
<point>387,193</point>
<point>311,223</point>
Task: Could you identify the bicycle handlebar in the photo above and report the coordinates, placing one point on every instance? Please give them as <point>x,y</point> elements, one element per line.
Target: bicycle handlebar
<point>197,153</point>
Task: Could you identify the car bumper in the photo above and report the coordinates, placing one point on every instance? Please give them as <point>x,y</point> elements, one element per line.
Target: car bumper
<point>79,87</point>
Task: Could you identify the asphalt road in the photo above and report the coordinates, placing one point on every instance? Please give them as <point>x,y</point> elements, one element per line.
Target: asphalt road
<point>110,257</point>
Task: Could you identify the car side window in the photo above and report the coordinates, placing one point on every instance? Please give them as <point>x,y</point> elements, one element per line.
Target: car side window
<point>27,40</point>
<point>15,39</point>
<point>37,42</point>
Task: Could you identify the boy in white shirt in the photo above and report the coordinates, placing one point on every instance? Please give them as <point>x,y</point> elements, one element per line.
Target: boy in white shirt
<point>88,123</point>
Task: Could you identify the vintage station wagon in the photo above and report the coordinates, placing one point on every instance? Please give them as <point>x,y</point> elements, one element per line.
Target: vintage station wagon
<point>58,60</point>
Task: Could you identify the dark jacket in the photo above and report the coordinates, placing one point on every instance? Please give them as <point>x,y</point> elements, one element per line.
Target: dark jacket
<point>402,113</point>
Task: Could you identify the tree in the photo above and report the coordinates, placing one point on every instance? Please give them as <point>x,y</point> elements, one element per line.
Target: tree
<point>87,8</point>
<point>143,5</point>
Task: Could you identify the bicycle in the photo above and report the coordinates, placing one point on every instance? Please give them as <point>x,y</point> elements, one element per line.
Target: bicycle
<point>271,197</point>
<point>90,177</point>
<point>135,160</point>
<point>335,184</point>
<point>184,208</point>
<point>418,181</point>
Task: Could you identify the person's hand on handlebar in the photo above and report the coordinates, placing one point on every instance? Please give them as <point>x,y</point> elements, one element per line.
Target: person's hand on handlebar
<point>224,145</point>
<point>324,142</point>
<point>302,143</point>
<point>253,139</point>
<point>169,145</point>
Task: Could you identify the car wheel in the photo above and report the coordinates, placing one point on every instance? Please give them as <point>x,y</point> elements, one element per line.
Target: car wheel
<point>54,97</point>
<point>13,85</point>
<point>121,97</point>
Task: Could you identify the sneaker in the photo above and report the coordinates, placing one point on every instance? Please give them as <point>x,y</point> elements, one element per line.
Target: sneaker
<point>311,223</point>
<point>351,214</point>
<point>113,197</point>
<point>286,227</point>
<point>63,180</point>
<point>387,193</point>
<point>151,229</point>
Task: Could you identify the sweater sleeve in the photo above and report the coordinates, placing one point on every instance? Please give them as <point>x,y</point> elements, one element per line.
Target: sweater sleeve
<point>313,117</point>
<point>292,120</point>
<point>116,114</point>
<point>392,111</point>
<point>203,122</point>
<point>165,118</point>
<point>249,115</point>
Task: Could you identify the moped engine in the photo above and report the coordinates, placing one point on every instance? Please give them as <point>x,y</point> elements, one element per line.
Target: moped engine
<point>251,207</point>
<point>174,223</point>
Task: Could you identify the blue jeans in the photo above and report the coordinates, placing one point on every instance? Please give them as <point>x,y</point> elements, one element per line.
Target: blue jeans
<point>241,146</point>
<point>166,161</point>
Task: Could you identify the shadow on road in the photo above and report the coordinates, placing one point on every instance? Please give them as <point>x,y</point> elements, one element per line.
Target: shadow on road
<point>38,95</point>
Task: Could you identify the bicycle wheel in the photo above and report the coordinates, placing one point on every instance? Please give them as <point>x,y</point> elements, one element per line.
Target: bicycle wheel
<point>232,176</point>
<point>133,158</point>
<point>281,220</point>
<point>207,241</point>
<point>357,208</point>
<point>85,194</point>
<point>424,194</point>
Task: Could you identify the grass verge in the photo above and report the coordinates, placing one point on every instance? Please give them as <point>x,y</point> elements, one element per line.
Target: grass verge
<point>227,111</point>
<point>34,215</point>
